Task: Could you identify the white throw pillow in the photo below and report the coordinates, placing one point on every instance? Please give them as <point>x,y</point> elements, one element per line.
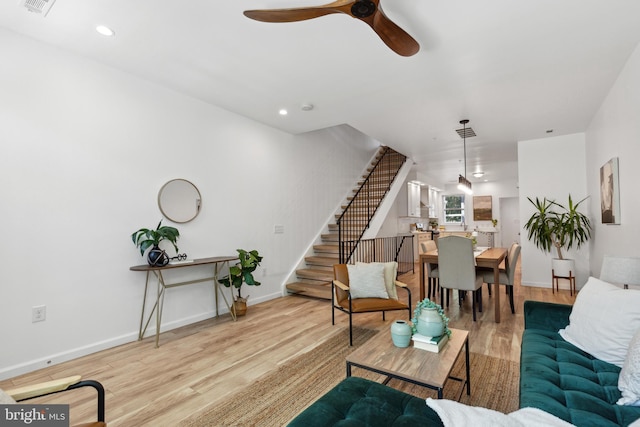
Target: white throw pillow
<point>603,320</point>
<point>367,281</point>
<point>629,379</point>
<point>455,414</point>
<point>390,273</point>
<point>5,399</point>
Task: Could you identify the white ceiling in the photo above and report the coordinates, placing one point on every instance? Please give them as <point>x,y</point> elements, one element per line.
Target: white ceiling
<point>513,68</point>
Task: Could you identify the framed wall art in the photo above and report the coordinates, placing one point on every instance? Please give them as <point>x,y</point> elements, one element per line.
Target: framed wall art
<point>482,208</point>
<point>610,192</point>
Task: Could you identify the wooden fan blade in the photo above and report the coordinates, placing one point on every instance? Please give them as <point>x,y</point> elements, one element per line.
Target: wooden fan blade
<point>299,14</point>
<point>392,35</point>
<point>367,11</point>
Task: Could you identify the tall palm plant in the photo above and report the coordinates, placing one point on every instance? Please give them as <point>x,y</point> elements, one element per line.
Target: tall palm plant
<point>556,225</point>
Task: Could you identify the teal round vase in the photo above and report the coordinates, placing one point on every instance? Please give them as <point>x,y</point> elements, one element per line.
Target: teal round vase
<point>401,333</point>
<point>430,323</point>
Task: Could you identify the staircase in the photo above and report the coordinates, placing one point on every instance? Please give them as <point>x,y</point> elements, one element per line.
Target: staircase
<point>342,238</point>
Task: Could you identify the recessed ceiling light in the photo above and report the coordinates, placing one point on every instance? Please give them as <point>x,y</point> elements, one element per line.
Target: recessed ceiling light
<point>549,130</point>
<point>306,107</point>
<point>283,112</point>
<point>105,31</point>
<point>478,174</point>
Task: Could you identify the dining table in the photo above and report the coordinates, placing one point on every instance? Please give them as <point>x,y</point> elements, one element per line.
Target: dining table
<point>490,257</point>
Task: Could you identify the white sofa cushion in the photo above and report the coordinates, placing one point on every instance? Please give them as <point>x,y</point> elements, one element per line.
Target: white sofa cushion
<point>603,320</point>
<point>390,273</point>
<point>367,281</point>
<point>5,399</point>
<point>629,379</point>
<point>455,414</point>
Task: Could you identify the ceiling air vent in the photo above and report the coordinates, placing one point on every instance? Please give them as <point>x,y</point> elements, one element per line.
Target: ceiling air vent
<point>41,7</point>
<point>466,133</point>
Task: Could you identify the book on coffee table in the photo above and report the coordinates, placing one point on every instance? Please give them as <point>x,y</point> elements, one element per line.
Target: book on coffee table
<point>433,344</point>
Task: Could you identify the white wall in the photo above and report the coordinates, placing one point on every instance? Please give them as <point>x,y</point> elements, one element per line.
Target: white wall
<point>552,168</point>
<point>615,132</point>
<point>85,149</point>
<point>496,190</point>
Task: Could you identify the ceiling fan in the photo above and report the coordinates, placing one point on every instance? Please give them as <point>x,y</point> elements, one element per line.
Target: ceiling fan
<point>368,11</point>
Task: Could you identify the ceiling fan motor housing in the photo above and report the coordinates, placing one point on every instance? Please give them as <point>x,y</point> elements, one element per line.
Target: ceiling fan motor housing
<point>363,8</point>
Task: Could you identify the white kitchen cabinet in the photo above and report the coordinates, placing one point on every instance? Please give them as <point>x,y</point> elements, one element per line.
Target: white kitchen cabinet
<point>413,197</point>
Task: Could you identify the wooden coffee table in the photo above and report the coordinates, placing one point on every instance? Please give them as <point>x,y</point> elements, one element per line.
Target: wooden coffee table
<point>421,367</point>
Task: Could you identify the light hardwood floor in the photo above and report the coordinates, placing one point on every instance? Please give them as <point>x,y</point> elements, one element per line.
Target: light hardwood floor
<point>202,363</point>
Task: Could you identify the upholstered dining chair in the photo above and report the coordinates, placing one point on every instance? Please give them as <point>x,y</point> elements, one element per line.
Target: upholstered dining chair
<point>457,270</point>
<point>32,391</point>
<point>507,276</point>
<point>366,288</point>
<point>432,269</point>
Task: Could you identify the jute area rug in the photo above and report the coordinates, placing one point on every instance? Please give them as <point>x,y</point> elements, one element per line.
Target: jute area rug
<point>277,397</point>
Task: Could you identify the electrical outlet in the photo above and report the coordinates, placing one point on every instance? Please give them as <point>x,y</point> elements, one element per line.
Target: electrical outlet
<point>38,313</point>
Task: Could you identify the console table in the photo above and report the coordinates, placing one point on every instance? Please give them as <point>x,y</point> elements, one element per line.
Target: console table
<point>162,285</point>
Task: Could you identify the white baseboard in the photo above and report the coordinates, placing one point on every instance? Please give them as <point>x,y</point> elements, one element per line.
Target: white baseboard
<point>55,359</point>
<point>563,285</point>
<point>537,285</point>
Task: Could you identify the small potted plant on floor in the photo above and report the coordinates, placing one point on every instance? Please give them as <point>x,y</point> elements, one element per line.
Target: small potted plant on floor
<point>555,225</point>
<point>242,272</point>
<point>146,238</point>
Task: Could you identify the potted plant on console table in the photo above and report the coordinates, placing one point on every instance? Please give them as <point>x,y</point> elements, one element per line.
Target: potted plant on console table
<point>242,272</point>
<point>559,226</point>
<point>146,238</point>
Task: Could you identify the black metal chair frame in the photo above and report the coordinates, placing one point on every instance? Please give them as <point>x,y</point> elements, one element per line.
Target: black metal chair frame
<point>350,312</point>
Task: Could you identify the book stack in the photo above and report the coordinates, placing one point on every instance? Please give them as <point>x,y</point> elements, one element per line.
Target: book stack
<point>433,344</point>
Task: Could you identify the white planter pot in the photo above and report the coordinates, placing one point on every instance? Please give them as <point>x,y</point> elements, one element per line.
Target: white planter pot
<point>562,267</point>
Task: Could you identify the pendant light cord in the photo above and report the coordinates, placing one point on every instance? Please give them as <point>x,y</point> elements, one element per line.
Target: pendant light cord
<point>464,143</point>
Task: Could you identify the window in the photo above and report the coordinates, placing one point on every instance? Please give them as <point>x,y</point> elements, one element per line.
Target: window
<point>453,208</point>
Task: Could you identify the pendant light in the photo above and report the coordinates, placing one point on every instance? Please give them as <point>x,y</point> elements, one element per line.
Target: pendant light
<point>463,183</point>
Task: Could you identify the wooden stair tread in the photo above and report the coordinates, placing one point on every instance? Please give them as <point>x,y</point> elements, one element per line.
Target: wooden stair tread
<point>329,237</point>
<point>326,248</point>
<point>372,206</point>
<point>352,215</point>
<point>375,184</point>
<point>334,228</point>
<point>321,260</point>
<point>314,281</point>
<point>316,274</point>
<point>376,191</point>
<point>314,290</point>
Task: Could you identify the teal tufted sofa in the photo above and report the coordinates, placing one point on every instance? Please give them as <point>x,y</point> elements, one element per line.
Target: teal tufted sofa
<point>561,379</point>
<point>555,376</point>
<point>358,402</point>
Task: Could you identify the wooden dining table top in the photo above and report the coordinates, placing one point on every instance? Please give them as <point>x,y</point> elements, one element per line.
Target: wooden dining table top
<point>489,255</point>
